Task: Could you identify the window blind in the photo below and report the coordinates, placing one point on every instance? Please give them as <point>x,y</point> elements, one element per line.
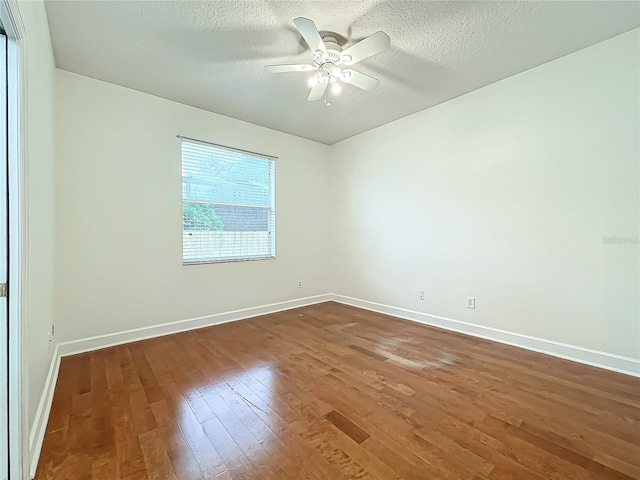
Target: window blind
<point>228,204</point>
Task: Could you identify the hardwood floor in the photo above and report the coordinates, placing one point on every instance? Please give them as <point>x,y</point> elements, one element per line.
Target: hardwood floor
<point>333,392</point>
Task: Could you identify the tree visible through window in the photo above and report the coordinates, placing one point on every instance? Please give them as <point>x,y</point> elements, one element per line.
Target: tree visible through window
<point>228,204</point>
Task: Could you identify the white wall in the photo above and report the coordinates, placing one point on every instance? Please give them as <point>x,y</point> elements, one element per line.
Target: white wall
<point>119,218</point>
<point>505,194</point>
<point>38,308</point>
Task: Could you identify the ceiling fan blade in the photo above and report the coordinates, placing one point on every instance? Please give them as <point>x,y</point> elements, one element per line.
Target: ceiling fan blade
<point>360,80</point>
<point>371,45</point>
<point>317,92</point>
<point>288,68</point>
<point>310,33</point>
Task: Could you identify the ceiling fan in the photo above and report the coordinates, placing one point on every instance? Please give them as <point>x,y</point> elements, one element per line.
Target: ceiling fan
<point>331,64</point>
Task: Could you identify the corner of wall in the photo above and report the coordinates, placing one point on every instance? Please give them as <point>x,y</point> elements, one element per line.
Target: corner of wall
<point>38,166</point>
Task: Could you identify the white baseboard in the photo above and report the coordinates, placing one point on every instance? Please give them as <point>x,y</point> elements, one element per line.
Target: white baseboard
<point>608,361</point>
<point>109,340</point>
<point>36,436</point>
<point>83,345</point>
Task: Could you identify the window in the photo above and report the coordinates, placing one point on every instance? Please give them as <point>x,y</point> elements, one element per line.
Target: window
<point>228,204</point>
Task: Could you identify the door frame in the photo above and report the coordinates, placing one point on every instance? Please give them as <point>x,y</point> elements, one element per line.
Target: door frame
<point>4,268</point>
<point>17,190</point>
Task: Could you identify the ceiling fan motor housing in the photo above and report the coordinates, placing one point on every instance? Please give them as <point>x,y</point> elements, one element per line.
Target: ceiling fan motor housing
<point>333,50</point>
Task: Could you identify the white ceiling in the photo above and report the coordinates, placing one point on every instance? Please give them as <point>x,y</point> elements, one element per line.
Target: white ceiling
<point>211,54</point>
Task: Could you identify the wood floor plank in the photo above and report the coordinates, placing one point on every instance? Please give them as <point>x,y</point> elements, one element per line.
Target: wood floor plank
<point>335,392</point>
<point>155,456</point>
<point>182,458</point>
<point>347,426</point>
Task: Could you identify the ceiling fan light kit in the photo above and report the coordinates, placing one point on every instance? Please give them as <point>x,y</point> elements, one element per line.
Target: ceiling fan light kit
<point>331,61</point>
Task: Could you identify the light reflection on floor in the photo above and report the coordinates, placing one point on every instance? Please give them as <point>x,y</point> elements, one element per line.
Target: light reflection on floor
<point>243,400</point>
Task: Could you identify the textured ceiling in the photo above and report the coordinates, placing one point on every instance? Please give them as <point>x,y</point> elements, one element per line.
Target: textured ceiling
<point>211,54</point>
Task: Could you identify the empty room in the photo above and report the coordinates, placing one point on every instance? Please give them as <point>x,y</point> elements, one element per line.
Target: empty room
<point>323,240</point>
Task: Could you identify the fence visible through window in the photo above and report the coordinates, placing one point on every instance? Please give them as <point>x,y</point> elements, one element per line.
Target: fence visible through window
<point>228,204</point>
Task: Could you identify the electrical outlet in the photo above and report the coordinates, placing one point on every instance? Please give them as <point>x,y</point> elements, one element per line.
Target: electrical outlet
<point>50,334</point>
<point>471,302</point>
<point>299,283</point>
<point>420,294</point>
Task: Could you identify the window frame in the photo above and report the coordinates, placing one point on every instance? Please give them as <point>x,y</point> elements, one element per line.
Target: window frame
<point>271,209</point>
